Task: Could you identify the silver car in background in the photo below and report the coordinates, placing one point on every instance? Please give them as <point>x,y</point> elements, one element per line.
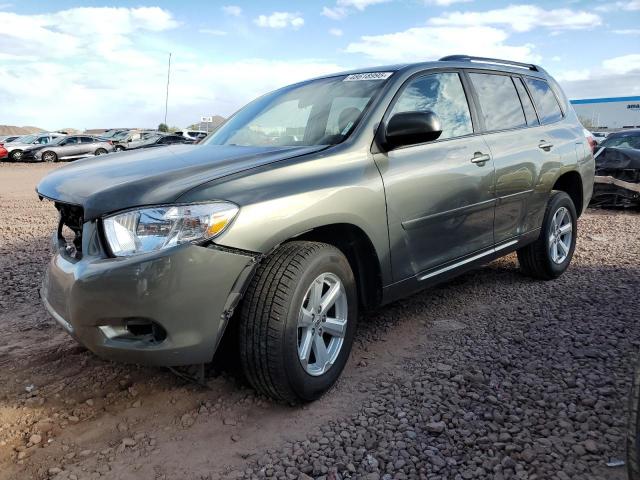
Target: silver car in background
<point>69,147</point>
<point>18,146</point>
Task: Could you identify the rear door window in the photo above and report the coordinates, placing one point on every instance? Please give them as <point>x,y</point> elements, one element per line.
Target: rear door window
<point>87,140</point>
<point>545,100</point>
<point>527,105</point>
<point>442,93</point>
<point>499,101</point>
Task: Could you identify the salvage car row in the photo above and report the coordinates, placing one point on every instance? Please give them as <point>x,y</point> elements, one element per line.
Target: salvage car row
<point>54,146</point>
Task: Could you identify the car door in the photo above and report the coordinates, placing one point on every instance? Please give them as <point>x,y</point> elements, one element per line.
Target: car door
<point>510,122</point>
<point>440,198</point>
<point>88,146</point>
<point>71,147</point>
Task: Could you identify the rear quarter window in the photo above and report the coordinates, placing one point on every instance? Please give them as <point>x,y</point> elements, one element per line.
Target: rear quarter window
<point>546,102</point>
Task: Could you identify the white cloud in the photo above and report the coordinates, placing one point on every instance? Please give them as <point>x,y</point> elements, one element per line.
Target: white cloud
<point>445,3</point>
<point>522,18</point>
<point>65,69</point>
<point>336,32</point>
<point>280,20</point>
<point>628,6</point>
<point>344,7</point>
<point>232,10</point>
<point>359,4</point>
<point>431,43</point>
<point>573,75</point>
<point>627,31</point>
<point>335,13</point>
<point>212,31</point>
<point>623,64</point>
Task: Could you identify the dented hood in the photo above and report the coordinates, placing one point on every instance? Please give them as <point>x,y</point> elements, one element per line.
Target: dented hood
<point>109,183</point>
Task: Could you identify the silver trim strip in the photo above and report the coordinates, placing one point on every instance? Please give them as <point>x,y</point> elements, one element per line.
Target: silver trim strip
<point>56,316</point>
<point>467,260</point>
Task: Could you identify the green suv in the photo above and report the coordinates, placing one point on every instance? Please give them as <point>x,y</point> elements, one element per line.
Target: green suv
<point>310,205</point>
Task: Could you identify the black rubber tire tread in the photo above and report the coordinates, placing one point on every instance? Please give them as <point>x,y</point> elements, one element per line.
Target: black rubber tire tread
<point>263,312</point>
<point>533,257</point>
<point>633,430</point>
<point>55,156</point>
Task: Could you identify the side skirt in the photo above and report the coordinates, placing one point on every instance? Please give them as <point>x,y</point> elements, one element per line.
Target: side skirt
<point>452,269</point>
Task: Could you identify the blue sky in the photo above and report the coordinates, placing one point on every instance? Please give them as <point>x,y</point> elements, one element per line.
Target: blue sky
<point>86,64</point>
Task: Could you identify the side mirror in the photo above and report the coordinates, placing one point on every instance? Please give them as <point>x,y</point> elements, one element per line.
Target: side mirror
<point>411,128</point>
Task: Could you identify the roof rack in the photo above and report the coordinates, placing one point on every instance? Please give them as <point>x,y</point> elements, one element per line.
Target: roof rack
<point>469,58</point>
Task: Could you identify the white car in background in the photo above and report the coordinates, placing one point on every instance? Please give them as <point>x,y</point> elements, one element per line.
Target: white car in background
<point>18,146</point>
<point>195,135</point>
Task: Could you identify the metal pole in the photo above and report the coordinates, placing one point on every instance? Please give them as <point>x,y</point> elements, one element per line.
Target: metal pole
<point>166,101</point>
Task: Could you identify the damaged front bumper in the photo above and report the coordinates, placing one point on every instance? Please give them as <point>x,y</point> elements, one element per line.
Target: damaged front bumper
<point>168,308</point>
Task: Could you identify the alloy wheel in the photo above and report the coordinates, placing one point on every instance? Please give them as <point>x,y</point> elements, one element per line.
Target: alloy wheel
<point>560,235</point>
<point>322,324</point>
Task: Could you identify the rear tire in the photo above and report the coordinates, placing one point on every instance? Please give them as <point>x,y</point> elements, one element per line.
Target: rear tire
<point>280,329</point>
<point>550,255</point>
<point>100,151</point>
<point>49,157</point>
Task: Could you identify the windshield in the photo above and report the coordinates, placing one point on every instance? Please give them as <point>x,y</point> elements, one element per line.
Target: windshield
<point>622,141</point>
<point>318,112</point>
<point>27,139</point>
<point>57,140</point>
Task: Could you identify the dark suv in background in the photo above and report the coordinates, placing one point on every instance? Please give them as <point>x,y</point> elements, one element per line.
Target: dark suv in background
<point>310,205</point>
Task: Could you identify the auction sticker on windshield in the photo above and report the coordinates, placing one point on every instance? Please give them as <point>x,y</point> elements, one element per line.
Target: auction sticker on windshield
<point>368,76</point>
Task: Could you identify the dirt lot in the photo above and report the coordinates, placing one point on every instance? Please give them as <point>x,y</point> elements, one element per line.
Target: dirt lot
<point>492,375</point>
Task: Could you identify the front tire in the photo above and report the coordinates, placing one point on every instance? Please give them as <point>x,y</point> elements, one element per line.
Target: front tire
<point>550,255</point>
<point>16,155</point>
<point>633,430</point>
<point>49,157</point>
<point>100,151</point>
<point>297,321</point>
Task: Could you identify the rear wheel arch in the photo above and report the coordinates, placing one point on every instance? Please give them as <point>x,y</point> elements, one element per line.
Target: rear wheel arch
<point>356,245</point>
<point>571,183</point>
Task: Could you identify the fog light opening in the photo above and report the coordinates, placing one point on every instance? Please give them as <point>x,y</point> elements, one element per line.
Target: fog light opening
<point>142,329</point>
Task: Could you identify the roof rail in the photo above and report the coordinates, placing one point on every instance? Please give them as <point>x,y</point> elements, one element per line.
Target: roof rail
<point>469,58</point>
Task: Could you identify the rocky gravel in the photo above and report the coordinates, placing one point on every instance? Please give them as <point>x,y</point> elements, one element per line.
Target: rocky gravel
<point>490,376</point>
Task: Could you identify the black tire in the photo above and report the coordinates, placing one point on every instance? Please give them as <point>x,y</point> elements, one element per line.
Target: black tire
<point>15,156</point>
<point>268,321</point>
<point>49,156</point>
<point>119,148</point>
<point>535,259</point>
<point>633,430</point>
<point>100,151</point>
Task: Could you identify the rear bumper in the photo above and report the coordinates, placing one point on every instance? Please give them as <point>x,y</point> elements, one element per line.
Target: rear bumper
<point>186,293</point>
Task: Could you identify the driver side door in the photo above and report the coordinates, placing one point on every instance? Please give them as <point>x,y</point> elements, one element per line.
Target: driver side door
<point>440,194</point>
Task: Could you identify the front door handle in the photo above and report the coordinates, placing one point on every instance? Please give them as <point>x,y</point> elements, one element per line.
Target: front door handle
<point>480,158</point>
<point>546,146</point>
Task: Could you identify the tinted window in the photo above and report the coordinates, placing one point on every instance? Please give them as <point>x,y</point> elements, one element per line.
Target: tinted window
<point>72,141</point>
<point>443,94</point>
<point>546,102</point>
<point>529,111</point>
<point>499,101</point>
<point>87,140</point>
<point>43,140</point>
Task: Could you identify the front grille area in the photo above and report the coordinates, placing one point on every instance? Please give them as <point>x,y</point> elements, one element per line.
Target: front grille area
<point>70,228</point>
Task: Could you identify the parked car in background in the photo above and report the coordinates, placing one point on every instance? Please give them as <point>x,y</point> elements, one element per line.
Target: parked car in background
<point>623,139</point>
<point>8,138</point>
<point>71,147</point>
<point>286,223</point>
<point>162,141</point>
<point>18,146</point>
<point>114,132</point>
<point>599,136</point>
<point>131,139</point>
<point>195,135</point>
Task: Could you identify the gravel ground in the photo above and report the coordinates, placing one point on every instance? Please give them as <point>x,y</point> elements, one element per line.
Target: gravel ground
<point>492,375</point>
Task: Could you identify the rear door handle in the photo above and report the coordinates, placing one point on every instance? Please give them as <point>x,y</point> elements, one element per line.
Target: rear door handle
<point>546,146</point>
<point>480,158</point>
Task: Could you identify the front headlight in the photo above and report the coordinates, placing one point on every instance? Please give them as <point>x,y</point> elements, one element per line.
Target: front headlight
<point>150,229</point>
